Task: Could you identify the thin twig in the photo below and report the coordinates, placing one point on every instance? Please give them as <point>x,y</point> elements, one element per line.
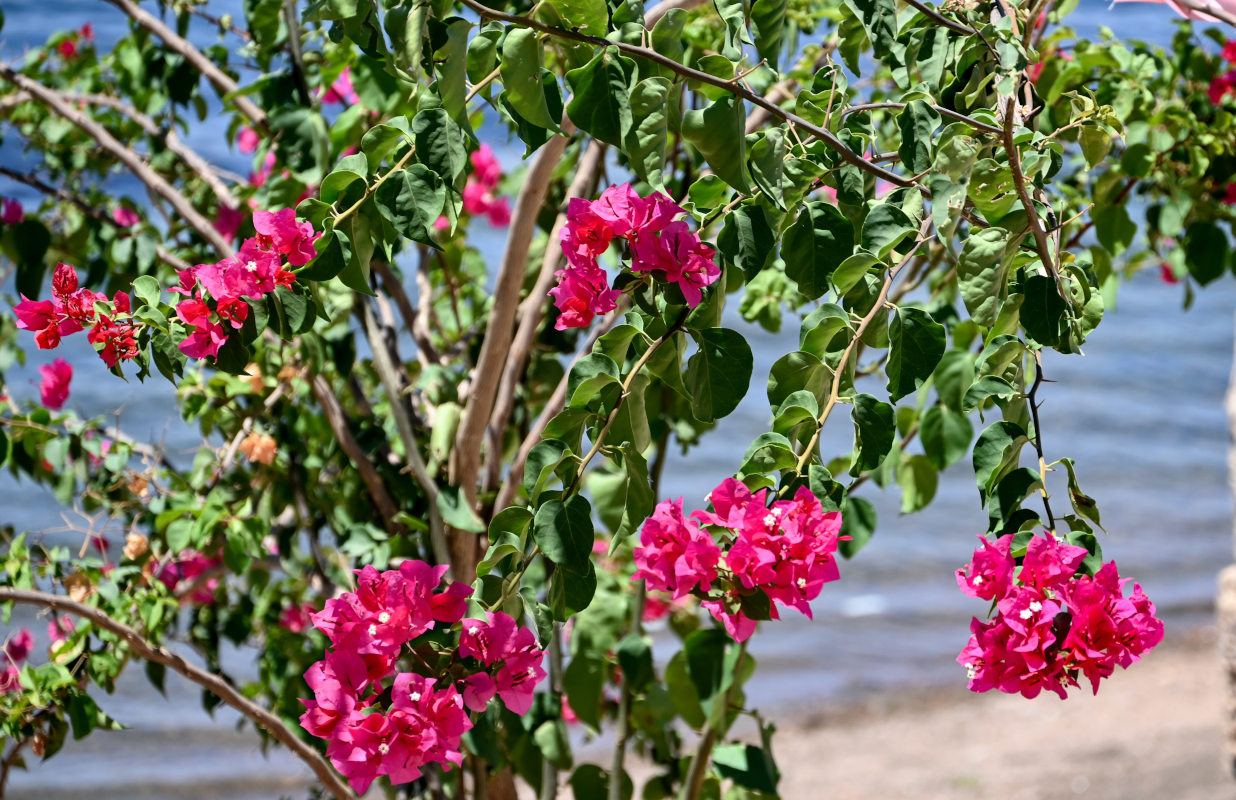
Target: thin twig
<point>385,359</point>
<point>941,110</point>
<point>1032,399</point>
<point>122,153</point>
<point>207,680</point>
<point>1027,202</point>
<point>369,474</point>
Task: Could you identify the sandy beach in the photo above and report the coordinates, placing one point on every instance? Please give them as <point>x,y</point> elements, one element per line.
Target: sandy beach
<point>1153,732</point>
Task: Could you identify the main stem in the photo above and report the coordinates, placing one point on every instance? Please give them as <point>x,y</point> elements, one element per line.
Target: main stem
<point>708,740</point>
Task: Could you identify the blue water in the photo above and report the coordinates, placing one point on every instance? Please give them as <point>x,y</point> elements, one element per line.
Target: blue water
<point>1141,414</point>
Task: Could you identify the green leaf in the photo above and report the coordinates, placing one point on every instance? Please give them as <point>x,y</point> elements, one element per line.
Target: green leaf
<point>747,765</point>
<point>1205,248</point>
<point>1043,312</point>
<point>411,201</point>
<point>334,250</point>
<point>918,123</point>
<point>586,16</point>
<point>719,373</point>
<point>718,131</point>
<point>440,143</point>
<point>734,15</point>
<point>600,102</point>
<point>571,591</point>
<point>522,74</point>
<point>874,431</point>
<point>647,138</point>
<point>635,657</point>
<point>879,19</point>
<point>820,239</point>
<point>456,512</point>
<point>147,289</point>
<point>767,22</point>
<point>858,522</point>
<point>996,452</point>
<point>946,435</point>
<point>349,170</point>
<point>564,532</point>
<point>916,343</point>
<point>584,681</point>
<point>554,743</point>
<point>31,240</point>
<point>884,228</point>
<point>747,240</point>
<point>981,273</point>
<point>705,656</point>
<point>795,372</point>
<point>820,328</point>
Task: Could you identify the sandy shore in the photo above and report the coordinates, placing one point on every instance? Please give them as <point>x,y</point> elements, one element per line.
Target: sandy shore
<point>1153,732</point>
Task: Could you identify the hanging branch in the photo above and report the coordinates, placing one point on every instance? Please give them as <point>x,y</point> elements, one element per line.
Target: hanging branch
<point>207,680</point>
<point>1032,398</point>
<point>123,154</point>
<point>223,84</point>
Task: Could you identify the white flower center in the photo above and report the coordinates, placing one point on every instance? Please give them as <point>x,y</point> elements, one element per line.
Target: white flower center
<point>1036,606</point>
<point>802,583</point>
<point>1026,613</point>
<point>977,580</point>
<point>776,512</point>
<point>251,266</point>
<point>769,519</point>
<point>384,617</point>
<point>373,630</point>
<point>416,697</point>
<point>970,670</point>
<point>384,748</point>
<point>532,671</point>
<point>474,630</point>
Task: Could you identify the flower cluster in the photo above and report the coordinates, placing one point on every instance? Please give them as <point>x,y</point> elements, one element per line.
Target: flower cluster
<point>190,574</point>
<point>779,554</point>
<point>656,242</point>
<point>1223,85</point>
<point>1051,623</point>
<point>479,196</point>
<point>382,721</point>
<point>252,273</point>
<point>73,309</point>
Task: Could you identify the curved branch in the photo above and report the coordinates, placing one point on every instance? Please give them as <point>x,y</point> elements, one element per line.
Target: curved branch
<point>210,71</point>
<point>1216,13</point>
<point>207,680</point>
<point>734,87</point>
<point>941,110</point>
<point>123,154</point>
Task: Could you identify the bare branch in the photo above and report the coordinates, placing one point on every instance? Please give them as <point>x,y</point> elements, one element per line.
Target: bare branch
<point>352,449</point>
<point>220,80</point>
<point>126,156</point>
<point>207,680</point>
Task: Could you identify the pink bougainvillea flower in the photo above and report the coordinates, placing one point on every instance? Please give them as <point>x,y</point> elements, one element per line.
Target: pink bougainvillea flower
<point>990,572</point>
<point>1229,196</point>
<point>247,140</point>
<point>67,48</point>
<point>228,222</point>
<point>17,648</point>
<point>499,212</point>
<point>60,628</point>
<point>207,336</point>
<point>675,555</point>
<point>486,169</point>
<point>1229,51</point>
<point>86,32</point>
<point>296,617</point>
<point>54,388</point>
<point>1166,273</point>
<point>259,178</point>
<point>1221,86</point>
<point>581,294</point>
<point>342,91</point>
<point>11,212</point>
<point>125,216</point>
<point>288,237</point>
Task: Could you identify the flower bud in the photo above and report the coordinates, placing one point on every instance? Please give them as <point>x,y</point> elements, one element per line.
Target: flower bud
<point>38,744</point>
<point>78,587</point>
